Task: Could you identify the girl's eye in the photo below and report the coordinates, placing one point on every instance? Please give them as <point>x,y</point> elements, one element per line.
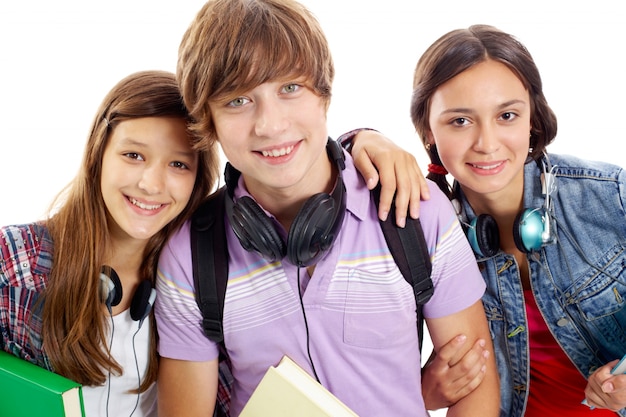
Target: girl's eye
<point>180,165</point>
<point>133,155</point>
<point>459,121</point>
<point>508,116</point>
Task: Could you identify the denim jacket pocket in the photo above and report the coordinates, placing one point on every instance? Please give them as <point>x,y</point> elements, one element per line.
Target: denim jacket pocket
<point>602,303</point>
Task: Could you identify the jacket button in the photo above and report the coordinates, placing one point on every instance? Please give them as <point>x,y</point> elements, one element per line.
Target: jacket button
<point>562,322</point>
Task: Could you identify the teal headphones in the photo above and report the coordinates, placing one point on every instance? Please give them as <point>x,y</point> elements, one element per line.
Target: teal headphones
<point>533,228</point>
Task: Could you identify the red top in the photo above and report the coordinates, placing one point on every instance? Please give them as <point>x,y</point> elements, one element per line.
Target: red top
<point>556,386</point>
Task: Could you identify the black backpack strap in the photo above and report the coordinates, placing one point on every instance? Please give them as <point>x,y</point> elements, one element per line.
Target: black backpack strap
<point>410,252</point>
<point>210,263</point>
<point>209,255</point>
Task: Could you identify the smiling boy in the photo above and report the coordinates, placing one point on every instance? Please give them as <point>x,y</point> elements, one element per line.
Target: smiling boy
<point>310,273</point>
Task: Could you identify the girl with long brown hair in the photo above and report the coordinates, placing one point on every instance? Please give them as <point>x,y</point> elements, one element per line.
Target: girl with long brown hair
<point>140,178</point>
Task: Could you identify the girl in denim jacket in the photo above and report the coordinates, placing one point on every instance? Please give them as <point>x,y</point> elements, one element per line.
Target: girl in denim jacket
<point>549,231</point>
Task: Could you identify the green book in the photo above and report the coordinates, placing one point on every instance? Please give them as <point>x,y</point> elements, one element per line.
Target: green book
<point>26,390</point>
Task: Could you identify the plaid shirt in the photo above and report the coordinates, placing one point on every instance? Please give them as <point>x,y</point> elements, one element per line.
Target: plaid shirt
<point>25,262</point>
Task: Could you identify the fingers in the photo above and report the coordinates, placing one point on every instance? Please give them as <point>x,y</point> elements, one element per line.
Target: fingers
<point>388,187</point>
<point>615,389</point>
<point>411,188</point>
<point>363,161</point>
<point>364,164</point>
<point>400,177</point>
<point>475,357</point>
<point>605,390</point>
<point>453,351</point>
<point>377,158</point>
<point>467,368</point>
<point>470,370</point>
<point>454,372</point>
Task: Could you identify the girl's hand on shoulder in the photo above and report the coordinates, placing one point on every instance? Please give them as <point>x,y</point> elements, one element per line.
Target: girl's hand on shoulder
<point>379,159</point>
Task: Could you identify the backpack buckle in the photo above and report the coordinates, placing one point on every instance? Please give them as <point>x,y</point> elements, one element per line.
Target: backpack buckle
<point>213,329</point>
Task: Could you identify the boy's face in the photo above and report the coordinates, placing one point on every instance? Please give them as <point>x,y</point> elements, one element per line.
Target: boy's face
<point>275,134</point>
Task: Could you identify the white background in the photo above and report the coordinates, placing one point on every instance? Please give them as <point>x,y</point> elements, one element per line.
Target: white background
<point>59,58</point>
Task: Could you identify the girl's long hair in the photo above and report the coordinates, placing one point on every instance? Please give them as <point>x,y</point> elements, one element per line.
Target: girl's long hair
<point>75,322</point>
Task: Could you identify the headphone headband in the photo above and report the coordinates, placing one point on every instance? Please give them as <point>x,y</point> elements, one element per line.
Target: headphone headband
<point>313,230</point>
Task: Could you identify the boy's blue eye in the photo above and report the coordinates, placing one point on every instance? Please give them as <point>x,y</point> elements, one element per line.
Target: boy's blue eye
<point>290,88</point>
<point>238,102</point>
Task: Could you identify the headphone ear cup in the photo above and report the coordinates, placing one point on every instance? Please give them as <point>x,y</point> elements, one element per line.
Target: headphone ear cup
<point>528,229</point>
<point>314,229</point>
<point>254,229</point>
<point>111,287</point>
<point>142,301</point>
<point>484,235</point>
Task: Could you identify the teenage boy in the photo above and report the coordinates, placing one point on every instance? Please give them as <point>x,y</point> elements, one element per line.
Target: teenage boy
<point>310,274</point>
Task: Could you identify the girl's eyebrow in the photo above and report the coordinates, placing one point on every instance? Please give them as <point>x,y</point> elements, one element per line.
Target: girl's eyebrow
<point>470,111</point>
<point>511,102</point>
<point>186,154</point>
<point>132,142</point>
<point>458,110</point>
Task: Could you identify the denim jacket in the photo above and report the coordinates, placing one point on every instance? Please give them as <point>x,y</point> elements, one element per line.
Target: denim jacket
<point>579,283</point>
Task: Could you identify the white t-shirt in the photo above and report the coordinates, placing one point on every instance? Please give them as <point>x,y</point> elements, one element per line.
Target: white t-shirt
<point>121,403</point>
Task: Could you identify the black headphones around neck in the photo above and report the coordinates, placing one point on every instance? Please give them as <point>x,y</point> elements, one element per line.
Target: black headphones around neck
<point>111,288</point>
<point>312,232</point>
<point>140,306</point>
<point>533,228</point>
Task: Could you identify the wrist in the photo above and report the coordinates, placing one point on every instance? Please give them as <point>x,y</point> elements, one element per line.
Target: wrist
<point>347,139</point>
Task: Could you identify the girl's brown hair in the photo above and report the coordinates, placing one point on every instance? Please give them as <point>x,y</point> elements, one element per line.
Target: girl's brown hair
<point>461,49</point>
<point>75,326</point>
<point>233,46</point>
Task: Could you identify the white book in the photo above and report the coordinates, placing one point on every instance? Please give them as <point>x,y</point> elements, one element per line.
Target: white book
<point>286,390</point>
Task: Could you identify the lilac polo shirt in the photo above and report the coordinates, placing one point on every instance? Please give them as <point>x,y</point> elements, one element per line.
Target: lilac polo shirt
<point>359,309</point>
